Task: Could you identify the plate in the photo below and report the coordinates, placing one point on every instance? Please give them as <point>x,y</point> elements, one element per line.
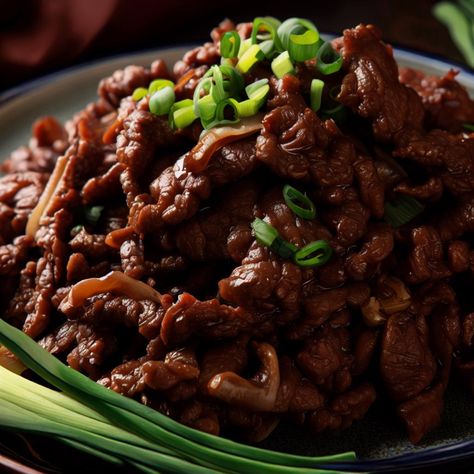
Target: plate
<point>379,439</point>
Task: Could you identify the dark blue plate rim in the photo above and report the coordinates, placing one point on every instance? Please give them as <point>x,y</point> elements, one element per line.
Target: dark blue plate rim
<point>456,451</point>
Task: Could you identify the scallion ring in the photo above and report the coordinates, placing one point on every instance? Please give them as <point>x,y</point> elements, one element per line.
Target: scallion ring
<point>257,93</point>
<point>264,232</point>
<point>161,101</point>
<point>230,44</point>
<point>226,112</point>
<point>282,65</point>
<point>139,93</point>
<point>182,114</point>
<point>468,126</point>
<point>298,202</point>
<point>314,254</point>
<point>252,56</point>
<point>158,84</point>
<point>283,248</point>
<point>316,93</point>
<point>328,61</point>
<point>304,46</point>
<point>300,38</point>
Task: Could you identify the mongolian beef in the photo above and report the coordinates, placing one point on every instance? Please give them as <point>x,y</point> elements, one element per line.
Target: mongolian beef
<point>278,228</point>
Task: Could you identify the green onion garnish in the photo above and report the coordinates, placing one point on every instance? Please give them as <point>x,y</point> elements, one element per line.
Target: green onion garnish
<point>162,100</point>
<point>468,126</point>
<point>298,202</point>
<point>304,46</point>
<point>226,112</point>
<point>93,214</point>
<point>264,28</point>
<point>402,209</point>
<point>283,248</point>
<point>267,235</point>
<point>230,44</point>
<point>314,254</point>
<point>264,232</point>
<point>252,56</point>
<point>182,114</point>
<point>282,65</point>
<point>139,93</point>
<point>264,33</point>
<point>257,93</point>
<point>158,84</point>
<point>316,93</point>
<point>244,46</point>
<point>328,61</point>
<point>300,38</point>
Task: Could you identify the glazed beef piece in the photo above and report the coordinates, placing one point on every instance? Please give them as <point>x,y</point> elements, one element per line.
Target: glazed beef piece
<point>371,87</point>
<point>178,193</point>
<point>49,140</point>
<point>139,265</point>
<point>446,102</point>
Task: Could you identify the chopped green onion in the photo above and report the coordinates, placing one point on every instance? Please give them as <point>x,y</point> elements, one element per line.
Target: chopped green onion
<point>304,46</point>
<point>264,28</point>
<point>187,443</point>
<point>317,86</point>
<point>252,56</point>
<point>158,84</point>
<point>298,202</point>
<point>328,61</point>
<point>162,100</point>
<point>282,65</point>
<point>468,126</point>
<point>182,114</point>
<point>244,46</point>
<point>203,86</point>
<point>226,112</point>
<point>300,38</point>
<point>206,108</point>
<point>283,248</point>
<point>139,93</point>
<point>264,232</point>
<point>257,93</point>
<point>264,33</point>
<point>402,209</point>
<point>314,254</point>
<point>93,214</point>
<point>254,87</point>
<point>267,235</point>
<point>268,48</point>
<point>230,44</point>
<point>233,80</point>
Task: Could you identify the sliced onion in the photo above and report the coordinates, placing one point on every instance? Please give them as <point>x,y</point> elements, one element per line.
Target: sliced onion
<point>10,361</point>
<point>116,282</point>
<point>253,395</point>
<point>198,158</point>
<point>50,189</point>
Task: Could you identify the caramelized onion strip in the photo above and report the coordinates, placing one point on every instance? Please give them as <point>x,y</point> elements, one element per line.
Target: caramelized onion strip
<point>50,189</point>
<point>115,282</point>
<point>198,158</point>
<point>258,394</point>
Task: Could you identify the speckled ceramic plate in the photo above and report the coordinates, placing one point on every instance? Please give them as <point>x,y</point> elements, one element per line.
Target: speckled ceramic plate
<point>379,440</point>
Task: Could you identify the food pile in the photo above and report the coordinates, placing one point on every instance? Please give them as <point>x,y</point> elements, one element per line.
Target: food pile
<point>278,228</point>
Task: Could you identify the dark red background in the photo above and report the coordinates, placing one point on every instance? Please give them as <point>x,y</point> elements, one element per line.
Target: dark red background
<point>40,36</point>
